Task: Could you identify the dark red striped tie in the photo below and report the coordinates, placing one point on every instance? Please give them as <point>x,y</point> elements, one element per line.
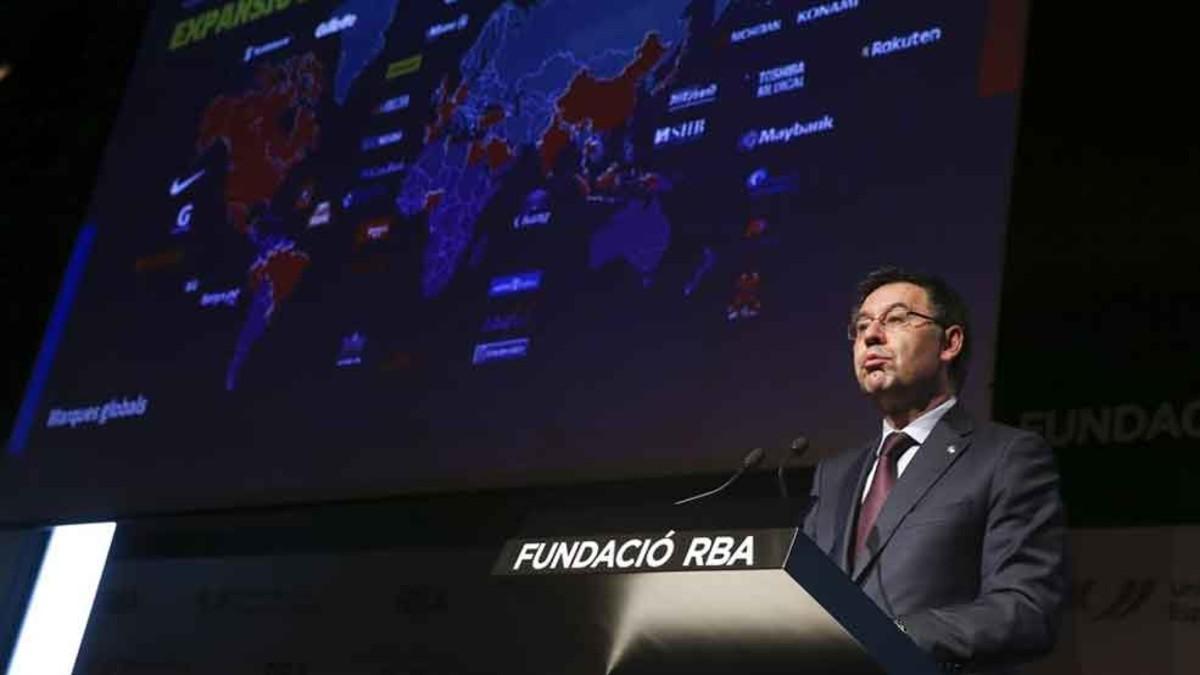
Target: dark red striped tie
<point>881,485</point>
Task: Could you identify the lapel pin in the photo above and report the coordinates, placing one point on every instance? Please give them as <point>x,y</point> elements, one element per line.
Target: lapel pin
<point>952,449</point>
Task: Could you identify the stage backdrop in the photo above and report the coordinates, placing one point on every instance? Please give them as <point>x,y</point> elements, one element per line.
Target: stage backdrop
<point>361,248</point>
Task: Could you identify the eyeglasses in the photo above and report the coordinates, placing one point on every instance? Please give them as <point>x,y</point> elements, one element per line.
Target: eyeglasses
<point>894,319</point>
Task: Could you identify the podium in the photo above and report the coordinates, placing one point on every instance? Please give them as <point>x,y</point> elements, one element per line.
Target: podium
<point>728,594</point>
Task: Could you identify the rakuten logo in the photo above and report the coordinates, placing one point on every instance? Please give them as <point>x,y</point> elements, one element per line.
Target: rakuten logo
<point>901,43</point>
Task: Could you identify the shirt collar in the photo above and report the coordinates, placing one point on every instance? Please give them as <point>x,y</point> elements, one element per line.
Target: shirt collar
<point>920,428</point>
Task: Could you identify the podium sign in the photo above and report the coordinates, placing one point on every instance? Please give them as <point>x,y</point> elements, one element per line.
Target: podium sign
<point>694,601</point>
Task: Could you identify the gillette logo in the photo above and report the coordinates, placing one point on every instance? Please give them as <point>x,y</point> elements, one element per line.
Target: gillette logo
<point>775,136</point>
<point>692,97</point>
<point>254,51</point>
<point>780,79</point>
<point>680,133</point>
<point>439,29</point>
<point>757,30</point>
<point>335,25</point>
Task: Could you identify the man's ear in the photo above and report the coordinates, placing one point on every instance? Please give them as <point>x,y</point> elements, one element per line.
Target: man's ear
<point>952,343</point>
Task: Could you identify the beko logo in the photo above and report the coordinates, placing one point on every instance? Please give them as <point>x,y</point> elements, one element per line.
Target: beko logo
<point>757,30</point>
<point>680,133</point>
<point>336,24</point>
<point>773,136</point>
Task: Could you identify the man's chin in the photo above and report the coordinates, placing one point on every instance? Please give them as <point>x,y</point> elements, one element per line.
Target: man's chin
<point>875,384</point>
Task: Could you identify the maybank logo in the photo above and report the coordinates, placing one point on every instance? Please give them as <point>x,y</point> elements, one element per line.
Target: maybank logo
<point>439,29</point>
<point>757,30</point>
<point>254,51</point>
<point>825,9</point>
<point>777,135</point>
<point>402,67</point>
<point>691,97</point>
<point>780,79</point>
<point>680,133</point>
<point>900,43</point>
<point>334,25</point>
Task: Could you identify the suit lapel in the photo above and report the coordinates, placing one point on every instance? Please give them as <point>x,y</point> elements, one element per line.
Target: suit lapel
<point>928,465</point>
<point>851,491</point>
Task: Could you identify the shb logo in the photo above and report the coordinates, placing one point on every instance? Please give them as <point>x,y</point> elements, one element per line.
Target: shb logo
<point>680,133</point>
<point>773,136</point>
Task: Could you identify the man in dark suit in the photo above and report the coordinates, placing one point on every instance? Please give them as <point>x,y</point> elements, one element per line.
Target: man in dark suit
<point>953,526</point>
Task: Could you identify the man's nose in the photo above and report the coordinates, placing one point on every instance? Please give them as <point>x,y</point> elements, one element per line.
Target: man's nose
<point>874,333</point>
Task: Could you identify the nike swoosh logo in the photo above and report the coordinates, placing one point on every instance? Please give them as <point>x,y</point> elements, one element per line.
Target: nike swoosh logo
<point>178,186</point>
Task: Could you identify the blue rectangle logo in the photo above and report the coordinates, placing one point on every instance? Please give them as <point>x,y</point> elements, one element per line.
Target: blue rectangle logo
<point>503,350</point>
<point>515,283</point>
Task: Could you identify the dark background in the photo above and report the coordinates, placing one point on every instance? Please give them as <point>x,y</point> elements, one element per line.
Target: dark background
<point>1101,301</point>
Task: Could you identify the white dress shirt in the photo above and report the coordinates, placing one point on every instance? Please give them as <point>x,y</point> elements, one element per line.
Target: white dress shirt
<point>918,429</point>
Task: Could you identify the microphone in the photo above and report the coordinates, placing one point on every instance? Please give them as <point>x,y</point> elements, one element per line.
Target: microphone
<point>751,460</point>
<point>796,450</point>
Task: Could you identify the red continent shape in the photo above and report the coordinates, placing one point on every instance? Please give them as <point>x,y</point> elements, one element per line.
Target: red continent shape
<point>281,270</point>
<point>433,198</point>
<point>499,153</point>
<point>609,103</point>
<point>261,147</point>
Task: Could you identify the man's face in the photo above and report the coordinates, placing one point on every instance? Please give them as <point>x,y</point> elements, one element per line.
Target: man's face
<point>902,362</point>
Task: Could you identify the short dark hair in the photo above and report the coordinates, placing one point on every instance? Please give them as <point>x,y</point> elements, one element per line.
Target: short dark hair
<point>949,308</point>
